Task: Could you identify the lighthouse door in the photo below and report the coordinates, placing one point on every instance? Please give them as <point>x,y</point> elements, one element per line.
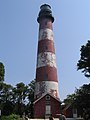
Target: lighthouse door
<point>48,109</point>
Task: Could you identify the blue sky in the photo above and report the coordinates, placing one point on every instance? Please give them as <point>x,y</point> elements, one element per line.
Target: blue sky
<point>19,39</point>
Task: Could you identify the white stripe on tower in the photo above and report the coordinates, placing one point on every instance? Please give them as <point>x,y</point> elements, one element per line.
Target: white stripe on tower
<point>46,59</point>
<point>46,87</point>
<point>45,34</point>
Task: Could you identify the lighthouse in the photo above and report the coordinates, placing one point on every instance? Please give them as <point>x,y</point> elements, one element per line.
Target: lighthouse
<point>46,97</point>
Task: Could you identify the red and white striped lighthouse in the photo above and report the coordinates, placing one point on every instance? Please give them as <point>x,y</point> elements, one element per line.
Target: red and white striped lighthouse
<point>47,100</point>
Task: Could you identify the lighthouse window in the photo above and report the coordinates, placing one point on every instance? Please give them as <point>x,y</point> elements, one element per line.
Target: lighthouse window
<point>47,97</point>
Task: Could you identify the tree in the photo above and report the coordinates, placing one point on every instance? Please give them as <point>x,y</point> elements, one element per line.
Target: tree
<point>69,99</point>
<point>82,99</point>
<point>6,92</point>
<point>2,72</point>
<point>21,92</point>
<point>31,89</point>
<point>84,62</point>
<point>19,96</point>
<point>18,99</point>
<point>6,104</point>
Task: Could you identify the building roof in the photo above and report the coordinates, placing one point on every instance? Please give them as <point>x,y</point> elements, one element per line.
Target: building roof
<point>44,96</point>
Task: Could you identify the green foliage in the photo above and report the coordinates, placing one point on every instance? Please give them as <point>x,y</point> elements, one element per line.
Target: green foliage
<point>2,72</point>
<point>69,99</point>
<point>20,95</point>
<point>5,98</point>
<point>80,99</point>
<point>18,99</point>
<point>20,92</point>
<point>84,62</point>
<point>31,88</point>
<point>11,117</point>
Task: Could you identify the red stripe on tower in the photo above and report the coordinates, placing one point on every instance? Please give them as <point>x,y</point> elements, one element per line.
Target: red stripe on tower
<point>46,70</point>
<point>46,46</point>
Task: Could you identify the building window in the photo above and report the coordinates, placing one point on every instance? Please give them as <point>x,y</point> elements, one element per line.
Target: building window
<point>47,97</point>
<point>74,112</point>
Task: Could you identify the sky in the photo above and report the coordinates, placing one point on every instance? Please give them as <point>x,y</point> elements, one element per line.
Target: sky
<point>19,40</point>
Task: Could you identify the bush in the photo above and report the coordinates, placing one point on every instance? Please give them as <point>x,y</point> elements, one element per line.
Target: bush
<point>11,117</point>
